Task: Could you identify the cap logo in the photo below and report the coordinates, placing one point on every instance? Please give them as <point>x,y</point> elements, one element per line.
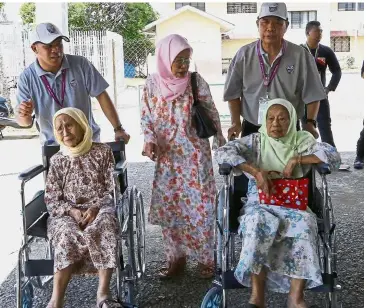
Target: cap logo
<point>50,28</point>
<point>273,7</point>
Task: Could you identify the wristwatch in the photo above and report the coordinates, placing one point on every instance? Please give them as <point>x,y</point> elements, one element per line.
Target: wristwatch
<point>314,122</point>
<point>119,128</point>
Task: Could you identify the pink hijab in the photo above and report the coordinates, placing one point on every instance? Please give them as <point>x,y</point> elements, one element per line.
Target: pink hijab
<point>166,50</point>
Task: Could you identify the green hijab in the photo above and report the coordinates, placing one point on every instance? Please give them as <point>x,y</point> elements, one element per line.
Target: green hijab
<point>275,153</point>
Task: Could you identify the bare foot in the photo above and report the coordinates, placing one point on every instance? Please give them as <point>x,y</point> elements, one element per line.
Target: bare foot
<point>54,304</point>
<point>256,300</point>
<point>296,303</point>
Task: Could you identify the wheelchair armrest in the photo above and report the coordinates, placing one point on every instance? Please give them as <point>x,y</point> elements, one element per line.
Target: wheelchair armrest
<point>323,168</point>
<point>225,169</point>
<point>31,172</point>
<point>120,167</point>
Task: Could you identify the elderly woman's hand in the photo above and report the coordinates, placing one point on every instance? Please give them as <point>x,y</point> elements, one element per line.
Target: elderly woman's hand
<point>77,214</point>
<point>263,182</point>
<point>151,150</point>
<point>291,164</point>
<point>88,217</point>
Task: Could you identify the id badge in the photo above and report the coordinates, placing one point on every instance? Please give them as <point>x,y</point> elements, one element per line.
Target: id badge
<point>263,103</point>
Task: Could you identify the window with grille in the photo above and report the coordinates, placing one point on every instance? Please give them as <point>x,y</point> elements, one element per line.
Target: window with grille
<point>225,64</point>
<point>198,5</point>
<point>241,7</point>
<point>360,6</point>
<point>299,19</point>
<point>340,43</point>
<point>346,6</point>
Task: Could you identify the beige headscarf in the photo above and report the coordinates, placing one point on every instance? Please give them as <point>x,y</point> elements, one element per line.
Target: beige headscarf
<point>85,145</point>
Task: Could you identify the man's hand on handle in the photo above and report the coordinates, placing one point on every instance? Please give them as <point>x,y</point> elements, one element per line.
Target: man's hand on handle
<point>122,135</point>
<point>311,129</point>
<point>234,131</point>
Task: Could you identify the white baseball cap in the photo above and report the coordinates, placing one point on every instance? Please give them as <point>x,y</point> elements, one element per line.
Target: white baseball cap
<point>46,33</point>
<point>273,9</point>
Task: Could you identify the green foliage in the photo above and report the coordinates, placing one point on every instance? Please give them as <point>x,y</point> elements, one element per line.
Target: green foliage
<point>27,13</point>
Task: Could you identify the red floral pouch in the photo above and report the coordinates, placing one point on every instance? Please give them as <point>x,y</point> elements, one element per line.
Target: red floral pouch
<point>290,193</point>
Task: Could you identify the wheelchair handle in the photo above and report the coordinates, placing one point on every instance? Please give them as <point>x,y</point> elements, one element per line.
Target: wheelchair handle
<point>225,169</point>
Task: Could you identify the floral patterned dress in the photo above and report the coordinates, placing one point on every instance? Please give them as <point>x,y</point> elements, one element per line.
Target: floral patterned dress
<point>184,188</point>
<point>82,182</point>
<point>281,239</point>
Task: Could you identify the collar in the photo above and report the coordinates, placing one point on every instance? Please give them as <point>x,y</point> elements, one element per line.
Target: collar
<point>263,53</point>
<point>40,71</point>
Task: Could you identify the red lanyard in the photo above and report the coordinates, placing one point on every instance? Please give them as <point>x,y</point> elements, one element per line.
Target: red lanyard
<point>50,91</point>
<point>268,79</point>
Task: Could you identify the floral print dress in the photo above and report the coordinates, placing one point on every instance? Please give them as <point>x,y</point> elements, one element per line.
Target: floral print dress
<point>82,182</point>
<point>281,239</point>
<point>184,190</point>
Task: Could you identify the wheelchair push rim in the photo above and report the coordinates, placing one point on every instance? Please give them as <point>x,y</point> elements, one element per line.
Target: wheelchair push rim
<point>214,298</point>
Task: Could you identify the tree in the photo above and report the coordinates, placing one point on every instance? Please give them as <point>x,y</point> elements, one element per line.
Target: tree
<point>2,12</point>
<point>127,19</point>
<point>27,13</point>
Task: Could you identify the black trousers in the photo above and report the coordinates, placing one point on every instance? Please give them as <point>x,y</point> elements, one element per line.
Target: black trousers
<point>241,182</point>
<point>360,149</point>
<point>324,122</point>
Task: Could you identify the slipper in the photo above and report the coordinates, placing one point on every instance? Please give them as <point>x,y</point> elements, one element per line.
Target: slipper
<point>173,270</point>
<point>205,271</point>
<point>109,303</point>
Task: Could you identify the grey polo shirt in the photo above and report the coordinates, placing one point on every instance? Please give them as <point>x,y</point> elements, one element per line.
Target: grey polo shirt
<point>297,80</point>
<point>82,82</point>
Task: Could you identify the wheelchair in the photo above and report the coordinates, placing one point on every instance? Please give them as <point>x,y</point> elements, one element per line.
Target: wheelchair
<point>224,252</point>
<point>37,273</point>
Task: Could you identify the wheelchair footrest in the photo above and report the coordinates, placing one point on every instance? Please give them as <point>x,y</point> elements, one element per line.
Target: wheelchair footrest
<point>229,281</point>
<point>328,284</point>
<point>38,268</point>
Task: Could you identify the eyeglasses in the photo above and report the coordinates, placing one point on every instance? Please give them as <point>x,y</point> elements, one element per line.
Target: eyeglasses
<point>182,61</point>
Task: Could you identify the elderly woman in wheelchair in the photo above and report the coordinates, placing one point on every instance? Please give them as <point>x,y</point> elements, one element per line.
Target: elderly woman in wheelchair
<point>279,231</point>
<point>82,225</point>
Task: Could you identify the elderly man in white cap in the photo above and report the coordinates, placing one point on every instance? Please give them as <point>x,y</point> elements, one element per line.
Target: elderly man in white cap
<point>270,68</point>
<point>57,80</point>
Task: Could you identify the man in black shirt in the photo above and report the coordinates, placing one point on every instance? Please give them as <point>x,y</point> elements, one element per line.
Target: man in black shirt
<point>358,164</point>
<point>324,57</point>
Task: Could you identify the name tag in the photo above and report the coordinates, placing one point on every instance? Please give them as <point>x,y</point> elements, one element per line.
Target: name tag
<point>263,103</point>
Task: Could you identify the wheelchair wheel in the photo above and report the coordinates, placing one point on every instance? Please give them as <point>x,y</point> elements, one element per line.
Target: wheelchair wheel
<point>125,286</point>
<point>27,296</point>
<point>140,235</point>
<point>136,233</point>
<point>214,298</point>
<point>331,300</point>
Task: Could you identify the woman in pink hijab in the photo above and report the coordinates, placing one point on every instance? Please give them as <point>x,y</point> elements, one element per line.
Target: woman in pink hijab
<point>184,189</point>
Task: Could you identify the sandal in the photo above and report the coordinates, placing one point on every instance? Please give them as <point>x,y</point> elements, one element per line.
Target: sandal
<point>206,271</point>
<point>173,270</point>
<point>109,303</point>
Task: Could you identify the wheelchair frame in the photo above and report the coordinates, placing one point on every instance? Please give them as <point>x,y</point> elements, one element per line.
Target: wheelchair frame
<point>130,213</point>
<point>224,252</point>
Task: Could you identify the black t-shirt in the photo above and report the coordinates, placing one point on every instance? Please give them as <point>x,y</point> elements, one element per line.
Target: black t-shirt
<point>362,69</point>
<point>327,58</point>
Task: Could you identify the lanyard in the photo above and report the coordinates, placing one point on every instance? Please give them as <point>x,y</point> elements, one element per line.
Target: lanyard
<point>50,91</point>
<point>268,79</point>
<point>316,50</point>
